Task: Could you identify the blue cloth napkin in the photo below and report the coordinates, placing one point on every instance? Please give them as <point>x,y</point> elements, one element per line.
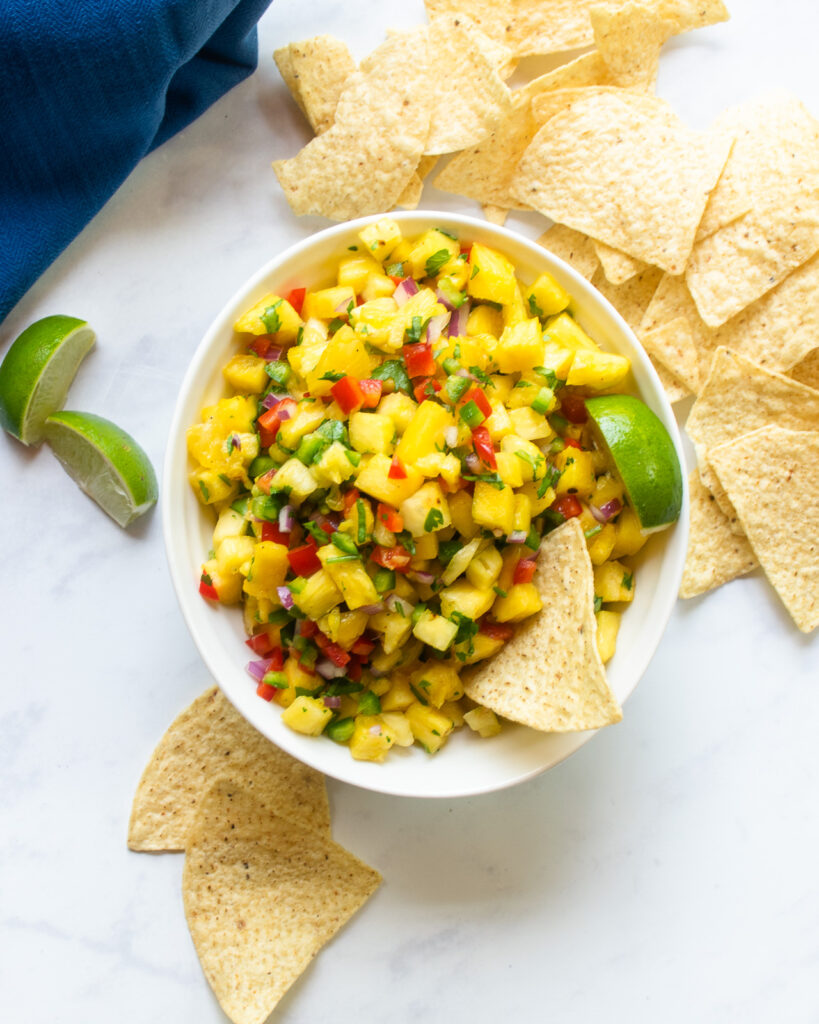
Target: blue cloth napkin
<point>87,88</point>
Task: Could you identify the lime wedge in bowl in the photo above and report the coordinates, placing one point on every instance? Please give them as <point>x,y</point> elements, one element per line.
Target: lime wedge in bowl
<point>105,461</point>
<point>37,371</point>
<point>643,455</point>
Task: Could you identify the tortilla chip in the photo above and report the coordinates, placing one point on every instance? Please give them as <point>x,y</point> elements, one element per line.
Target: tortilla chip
<point>470,99</point>
<point>672,344</point>
<point>618,266</point>
<point>741,262</point>
<point>629,36</point>
<point>776,148</point>
<point>739,397</point>
<point>208,739</point>
<point>807,371</point>
<point>262,895</point>
<point>715,554</point>
<point>411,196</point>
<point>623,144</point>
<point>549,676</point>
<point>776,331</point>
<point>575,248</point>
<point>675,390</point>
<point>632,298</point>
<point>495,214</point>
<point>364,163</point>
<point>315,72</point>
<point>771,477</point>
<point>588,69</point>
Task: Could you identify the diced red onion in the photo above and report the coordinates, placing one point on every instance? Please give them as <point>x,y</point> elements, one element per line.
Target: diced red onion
<point>439,295</point>
<point>287,519</point>
<point>398,604</point>
<point>517,537</point>
<point>271,400</point>
<point>473,463</point>
<point>273,355</point>
<point>236,441</point>
<point>332,702</point>
<point>371,609</point>
<point>457,325</point>
<point>328,670</point>
<point>285,414</point>
<point>426,578</point>
<point>436,326</point>
<point>342,306</point>
<point>602,515</point>
<point>375,730</point>
<point>451,436</point>
<point>258,669</point>
<point>405,291</point>
<point>286,597</point>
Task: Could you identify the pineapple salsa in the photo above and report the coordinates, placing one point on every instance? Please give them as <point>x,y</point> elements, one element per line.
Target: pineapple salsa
<point>396,446</point>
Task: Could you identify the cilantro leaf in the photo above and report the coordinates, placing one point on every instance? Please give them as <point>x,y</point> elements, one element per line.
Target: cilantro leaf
<point>394,370</point>
<point>271,319</point>
<point>436,261</point>
<point>333,375</point>
<point>434,520</point>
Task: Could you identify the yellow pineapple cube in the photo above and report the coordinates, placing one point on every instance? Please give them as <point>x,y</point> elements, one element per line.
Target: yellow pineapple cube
<point>400,408</point>
<point>540,498</point>
<point>296,480</point>
<point>485,568</point>
<point>530,425</point>
<point>328,303</point>
<point>429,727</point>
<point>353,271</point>
<point>613,582</point>
<point>377,286</point>
<point>566,332</point>
<point>307,715</point>
<point>343,628</point>
<point>318,595</point>
<point>464,597</point>
<point>268,570</point>
<point>345,353</point>
<point>303,358</point>
<point>523,514</point>
<point>630,536</point>
<point>492,507</point>
<point>608,625</point>
<point>425,433</point>
<point>228,586</point>
<point>398,725</point>
<point>484,320</point>
<point>211,487</point>
<point>598,370</point>
<point>371,739</point>
<point>576,472</point>
<point>520,347</point>
<point>234,552</point>
<point>271,315</point>
<point>399,696</point>
<point>436,682</point>
<point>431,253</point>
<point>435,630</point>
<point>372,320</point>
<point>381,238</point>
<point>510,469</point>
<point>558,358</point>
<point>334,467</point>
<point>423,305</point>
<point>491,275</point>
<point>350,577</point>
<point>483,721</point>
<point>371,432</point>
<point>498,424</point>
<point>309,416</point>
<point>546,297</point>
<point>246,373</point>
<point>460,509</point>
<point>229,524</point>
<point>374,479</point>
<point>394,627</point>
<point>515,312</point>
<point>426,510</point>
<point>521,601</point>
<point>601,544</point>
<point>480,647</point>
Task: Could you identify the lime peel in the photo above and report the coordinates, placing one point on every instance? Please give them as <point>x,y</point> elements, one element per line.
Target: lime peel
<point>37,371</point>
<point>643,455</point>
<point>105,461</point>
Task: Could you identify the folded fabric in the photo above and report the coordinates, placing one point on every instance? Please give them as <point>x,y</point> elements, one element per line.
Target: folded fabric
<point>86,90</point>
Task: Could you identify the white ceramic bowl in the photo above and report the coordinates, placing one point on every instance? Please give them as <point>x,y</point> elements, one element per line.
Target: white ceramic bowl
<point>467,764</point>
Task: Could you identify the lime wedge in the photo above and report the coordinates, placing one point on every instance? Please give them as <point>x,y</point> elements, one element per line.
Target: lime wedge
<point>643,455</point>
<point>105,461</point>
<point>37,372</point>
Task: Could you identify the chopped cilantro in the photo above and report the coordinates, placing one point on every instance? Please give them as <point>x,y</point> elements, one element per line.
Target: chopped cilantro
<point>271,319</point>
<point>394,370</point>
<point>598,602</point>
<point>499,592</point>
<point>395,270</point>
<point>436,261</point>
<point>482,376</point>
<point>434,520</point>
<point>467,631</point>
<point>333,430</point>
<point>628,580</point>
<point>488,478</point>
<point>534,308</point>
<point>415,330</point>
<point>475,270</point>
<point>335,324</point>
<point>333,375</point>
<point>548,375</point>
<point>316,532</point>
<point>447,550</point>
<point>443,231</point>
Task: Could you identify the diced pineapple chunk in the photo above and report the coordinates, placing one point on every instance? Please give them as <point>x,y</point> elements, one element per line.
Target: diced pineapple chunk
<point>460,508</point>
<point>520,347</point>
<point>371,739</point>
<point>354,270</point>
<point>483,721</point>
<point>246,373</point>
<point>498,424</point>
<point>423,305</point>
<point>428,501</point>
<point>491,275</point>
<point>371,432</point>
<point>515,312</point>
<point>439,464</point>
<point>613,582</point>
<point>479,647</point>
<point>400,408</point>
<point>464,597</point>
<point>530,425</point>
<point>229,524</point>
<point>381,237</point>
<point>309,415</point>
<point>328,303</point>
<point>576,472</point>
<point>334,466</point>
<point>399,696</point>
<point>233,552</point>
<point>598,370</point>
<point>521,601</point>
<point>630,536</point>
<point>270,315</point>
<point>318,596</point>
<point>345,353</point>
<point>493,507</point>
<point>343,628</point>
<point>372,319</point>
<point>398,725</point>
<point>601,544</point>
<point>429,727</point>
<point>436,682</point>
<point>546,297</point>
<point>435,630</point>
<point>351,578</point>
<point>212,487</point>
<point>268,569</point>
<point>377,286</point>
<point>295,480</point>
<point>540,497</point>
<point>485,568</point>
<point>566,332</point>
<point>484,320</point>
<point>608,625</point>
<point>425,433</point>
<point>228,586</point>
<point>307,715</point>
<point>375,480</point>
<point>432,251</point>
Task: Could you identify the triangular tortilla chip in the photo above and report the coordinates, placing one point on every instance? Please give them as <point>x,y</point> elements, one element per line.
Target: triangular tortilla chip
<point>572,246</point>
<point>672,344</point>
<point>549,676</point>
<point>365,161</point>
<point>807,371</point>
<point>675,390</point>
<point>771,476</point>
<point>715,554</point>
<point>618,266</point>
<point>262,895</point>
<point>315,72</point>
<point>210,738</point>
<point>630,299</point>
<point>624,144</point>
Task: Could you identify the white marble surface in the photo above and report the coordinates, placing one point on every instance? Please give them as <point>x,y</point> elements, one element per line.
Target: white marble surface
<point>667,872</point>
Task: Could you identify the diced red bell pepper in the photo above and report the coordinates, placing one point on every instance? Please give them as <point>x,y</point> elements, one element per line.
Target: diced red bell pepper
<point>354,670</point>
<point>326,524</point>
<point>350,498</point>
<point>390,517</point>
<point>363,647</point>
<point>266,692</point>
<point>397,471</point>
<point>261,345</point>
<point>347,392</point>
<point>371,389</point>
<point>207,589</point>
<point>271,531</point>
<point>396,280</point>
<point>569,442</point>
<point>484,448</point>
<point>271,419</point>
<point>496,630</point>
<point>296,298</point>
<point>419,359</point>
<point>308,628</point>
<point>397,558</point>
<point>524,571</point>
<point>336,654</point>
<point>573,407</point>
<point>567,505</point>
<point>426,387</point>
<point>260,643</point>
<point>304,561</point>
<point>478,396</point>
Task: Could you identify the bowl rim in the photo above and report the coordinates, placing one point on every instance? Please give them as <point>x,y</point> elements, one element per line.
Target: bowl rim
<point>584,293</point>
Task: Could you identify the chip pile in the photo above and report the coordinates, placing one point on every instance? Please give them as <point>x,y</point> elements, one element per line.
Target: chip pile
<point>706,242</point>
<point>264,886</point>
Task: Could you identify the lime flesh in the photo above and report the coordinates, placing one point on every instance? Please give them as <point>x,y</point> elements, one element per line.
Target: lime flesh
<point>37,371</point>
<point>105,461</point>
<point>644,456</point>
